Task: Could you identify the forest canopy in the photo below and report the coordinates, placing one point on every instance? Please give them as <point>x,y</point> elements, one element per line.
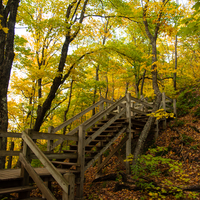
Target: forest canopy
<point>71,53</point>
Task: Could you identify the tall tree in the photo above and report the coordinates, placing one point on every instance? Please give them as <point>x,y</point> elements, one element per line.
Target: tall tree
<point>8,13</point>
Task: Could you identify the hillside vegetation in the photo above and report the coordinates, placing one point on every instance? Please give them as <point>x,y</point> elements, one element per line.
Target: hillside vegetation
<point>170,169</point>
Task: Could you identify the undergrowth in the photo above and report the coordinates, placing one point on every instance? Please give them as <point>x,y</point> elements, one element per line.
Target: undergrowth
<point>152,174</point>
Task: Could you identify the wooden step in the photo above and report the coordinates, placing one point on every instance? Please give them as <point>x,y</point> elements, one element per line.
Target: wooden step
<point>17,189</point>
<point>94,142</point>
<point>118,120</point>
<point>103,133</point>
<point>75,151</point>
<point>101,137</point>
<point>113,124</point>
<point>110,127</point>
<point>88,147</point>
<point>33,198</point>
<point>64,163</point>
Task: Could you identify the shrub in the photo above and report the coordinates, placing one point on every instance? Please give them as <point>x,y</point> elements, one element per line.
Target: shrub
<point>187,100</point>
<point>150,166</point>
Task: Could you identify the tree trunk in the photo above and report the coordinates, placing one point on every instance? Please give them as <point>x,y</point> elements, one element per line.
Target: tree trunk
<point>95,88</point>
<point>151,120</point>
<point>175,67</point>
<point>142,85</point>
<point>60,78</point>
<point>145,131</point>
<point>8,20</point>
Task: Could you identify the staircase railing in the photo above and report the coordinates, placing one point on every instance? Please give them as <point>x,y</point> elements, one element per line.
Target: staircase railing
<point>127,107</point>
<point>27,170</point>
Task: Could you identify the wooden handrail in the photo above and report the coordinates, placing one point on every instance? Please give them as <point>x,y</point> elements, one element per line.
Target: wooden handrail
<point>106,125</point>
<point>90,122</point>
<point>49,166</point>
<point>77,116</point>
<point>10,134</point>
<point>105,148</point>
<point>45,190</point>
<point>142,102</point>
<point>40,135</point>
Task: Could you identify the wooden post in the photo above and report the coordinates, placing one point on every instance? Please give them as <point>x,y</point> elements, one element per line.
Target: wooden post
<point>26,152</point>
<point>70,177</point>
<point>128,142</point>
<point>81,160</point>
<point>132,106</point>
<point>174,107</point>
<point>10,157</point>
<point>50,142</point>
<point>164,107</point>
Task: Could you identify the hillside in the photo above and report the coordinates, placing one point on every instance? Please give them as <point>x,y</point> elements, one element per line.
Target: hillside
<point>172,163</point>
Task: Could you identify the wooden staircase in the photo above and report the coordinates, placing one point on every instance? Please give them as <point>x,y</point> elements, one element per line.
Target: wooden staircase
<point>91,139</point>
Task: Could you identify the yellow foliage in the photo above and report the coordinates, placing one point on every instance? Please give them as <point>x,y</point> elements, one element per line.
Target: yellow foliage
<point>161,113</point>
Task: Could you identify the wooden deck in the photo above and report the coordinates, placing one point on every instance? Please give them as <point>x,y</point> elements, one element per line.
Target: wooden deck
<point>12,178</point>
<point>15,173</point>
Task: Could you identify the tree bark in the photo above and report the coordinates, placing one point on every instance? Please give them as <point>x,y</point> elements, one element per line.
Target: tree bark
<point>153,39</point>
<point>145,131</point>
<point>175,67</point>
<point>8,20</point>
<point>142,85</point>
<point>60,78</point>
<point>95,88</point>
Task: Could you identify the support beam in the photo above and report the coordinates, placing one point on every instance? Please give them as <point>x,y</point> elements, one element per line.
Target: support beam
<point>45,161</point>
<point>119,146</point>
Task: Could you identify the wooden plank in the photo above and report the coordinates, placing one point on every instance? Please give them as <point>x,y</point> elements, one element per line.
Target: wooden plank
<point>10,134</point>
<point>102,114</point>
<point>9,153</point>
<point>45,190</point>
<point>138,111</point>
<point>45,161</point>
<point>112,102</point>
<point>57,155</point>
<point>84,123</point>
<point>53,136</point>
<point>119,146</point>
<point>76,117</point>
<point>106,125</point>
<point>16,189</point>
<point>40,135</point>
<point>142,102</point>
<point>104,148</point>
